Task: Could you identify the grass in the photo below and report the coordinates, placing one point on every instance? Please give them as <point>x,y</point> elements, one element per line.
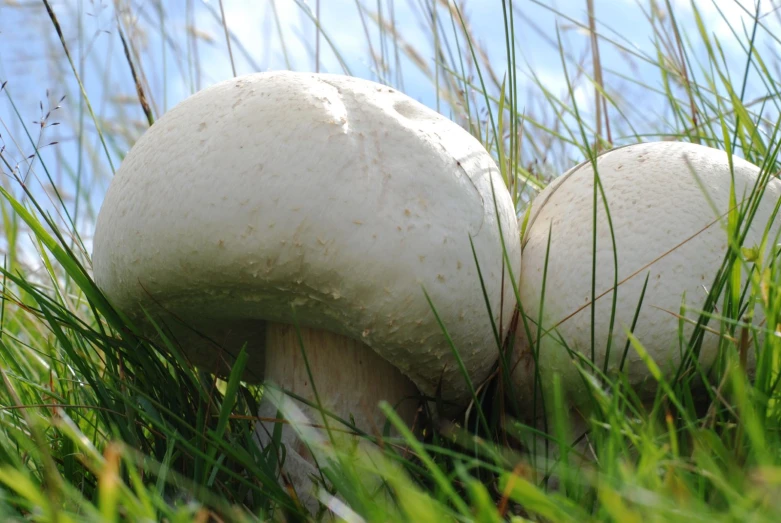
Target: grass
<point>98,423</point>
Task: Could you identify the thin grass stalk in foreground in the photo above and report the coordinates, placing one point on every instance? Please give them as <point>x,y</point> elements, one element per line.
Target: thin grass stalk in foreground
<point>57,28</point>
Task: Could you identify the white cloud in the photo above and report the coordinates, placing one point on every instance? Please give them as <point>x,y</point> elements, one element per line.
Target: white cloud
<point>556,82</point>
<point>722,17</point>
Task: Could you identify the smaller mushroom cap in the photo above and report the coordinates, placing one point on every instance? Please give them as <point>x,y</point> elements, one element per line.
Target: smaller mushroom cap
<point>665,228</point>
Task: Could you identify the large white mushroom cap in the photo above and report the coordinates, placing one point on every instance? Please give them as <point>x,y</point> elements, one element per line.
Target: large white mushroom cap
<point>340,197</point>
<point>663,225</point>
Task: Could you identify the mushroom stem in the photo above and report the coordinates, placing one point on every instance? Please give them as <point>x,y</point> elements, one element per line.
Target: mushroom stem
<point>350,378</point>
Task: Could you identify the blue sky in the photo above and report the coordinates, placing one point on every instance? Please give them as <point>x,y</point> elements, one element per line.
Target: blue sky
<point>33,63</point>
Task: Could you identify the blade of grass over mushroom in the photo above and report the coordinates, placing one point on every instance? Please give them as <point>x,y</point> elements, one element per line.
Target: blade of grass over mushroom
<point>729,275</point>
<point>561,430</point>
<point>460,362</point>
<point>634,321</point>
<point>504,362</point>
<point>656,373</point>
<point>538,395</point>
<point>228,400</point>
<point>175,353</point>
<point>497,337</point>
<point>437,474</point>
<point>599,197</point>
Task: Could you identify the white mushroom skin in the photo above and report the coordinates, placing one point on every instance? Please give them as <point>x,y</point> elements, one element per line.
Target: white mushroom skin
<point>336,196</point>
<point>663,225</point>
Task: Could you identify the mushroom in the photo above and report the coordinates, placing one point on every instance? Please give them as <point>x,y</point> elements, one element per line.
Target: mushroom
<point>661,198</point>
<point>282,201</point>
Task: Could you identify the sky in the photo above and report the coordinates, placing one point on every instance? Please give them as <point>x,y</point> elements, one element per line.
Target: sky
<point>38,73</point>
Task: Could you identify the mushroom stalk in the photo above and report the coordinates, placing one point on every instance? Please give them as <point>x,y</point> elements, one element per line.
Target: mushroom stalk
<point>350,380</point>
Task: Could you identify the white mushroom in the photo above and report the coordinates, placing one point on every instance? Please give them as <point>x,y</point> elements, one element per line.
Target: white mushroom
<point>326,200</point>
<point>665,227</point>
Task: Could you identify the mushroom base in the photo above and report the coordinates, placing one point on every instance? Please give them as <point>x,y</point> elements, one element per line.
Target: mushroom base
<point>350,380</point>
